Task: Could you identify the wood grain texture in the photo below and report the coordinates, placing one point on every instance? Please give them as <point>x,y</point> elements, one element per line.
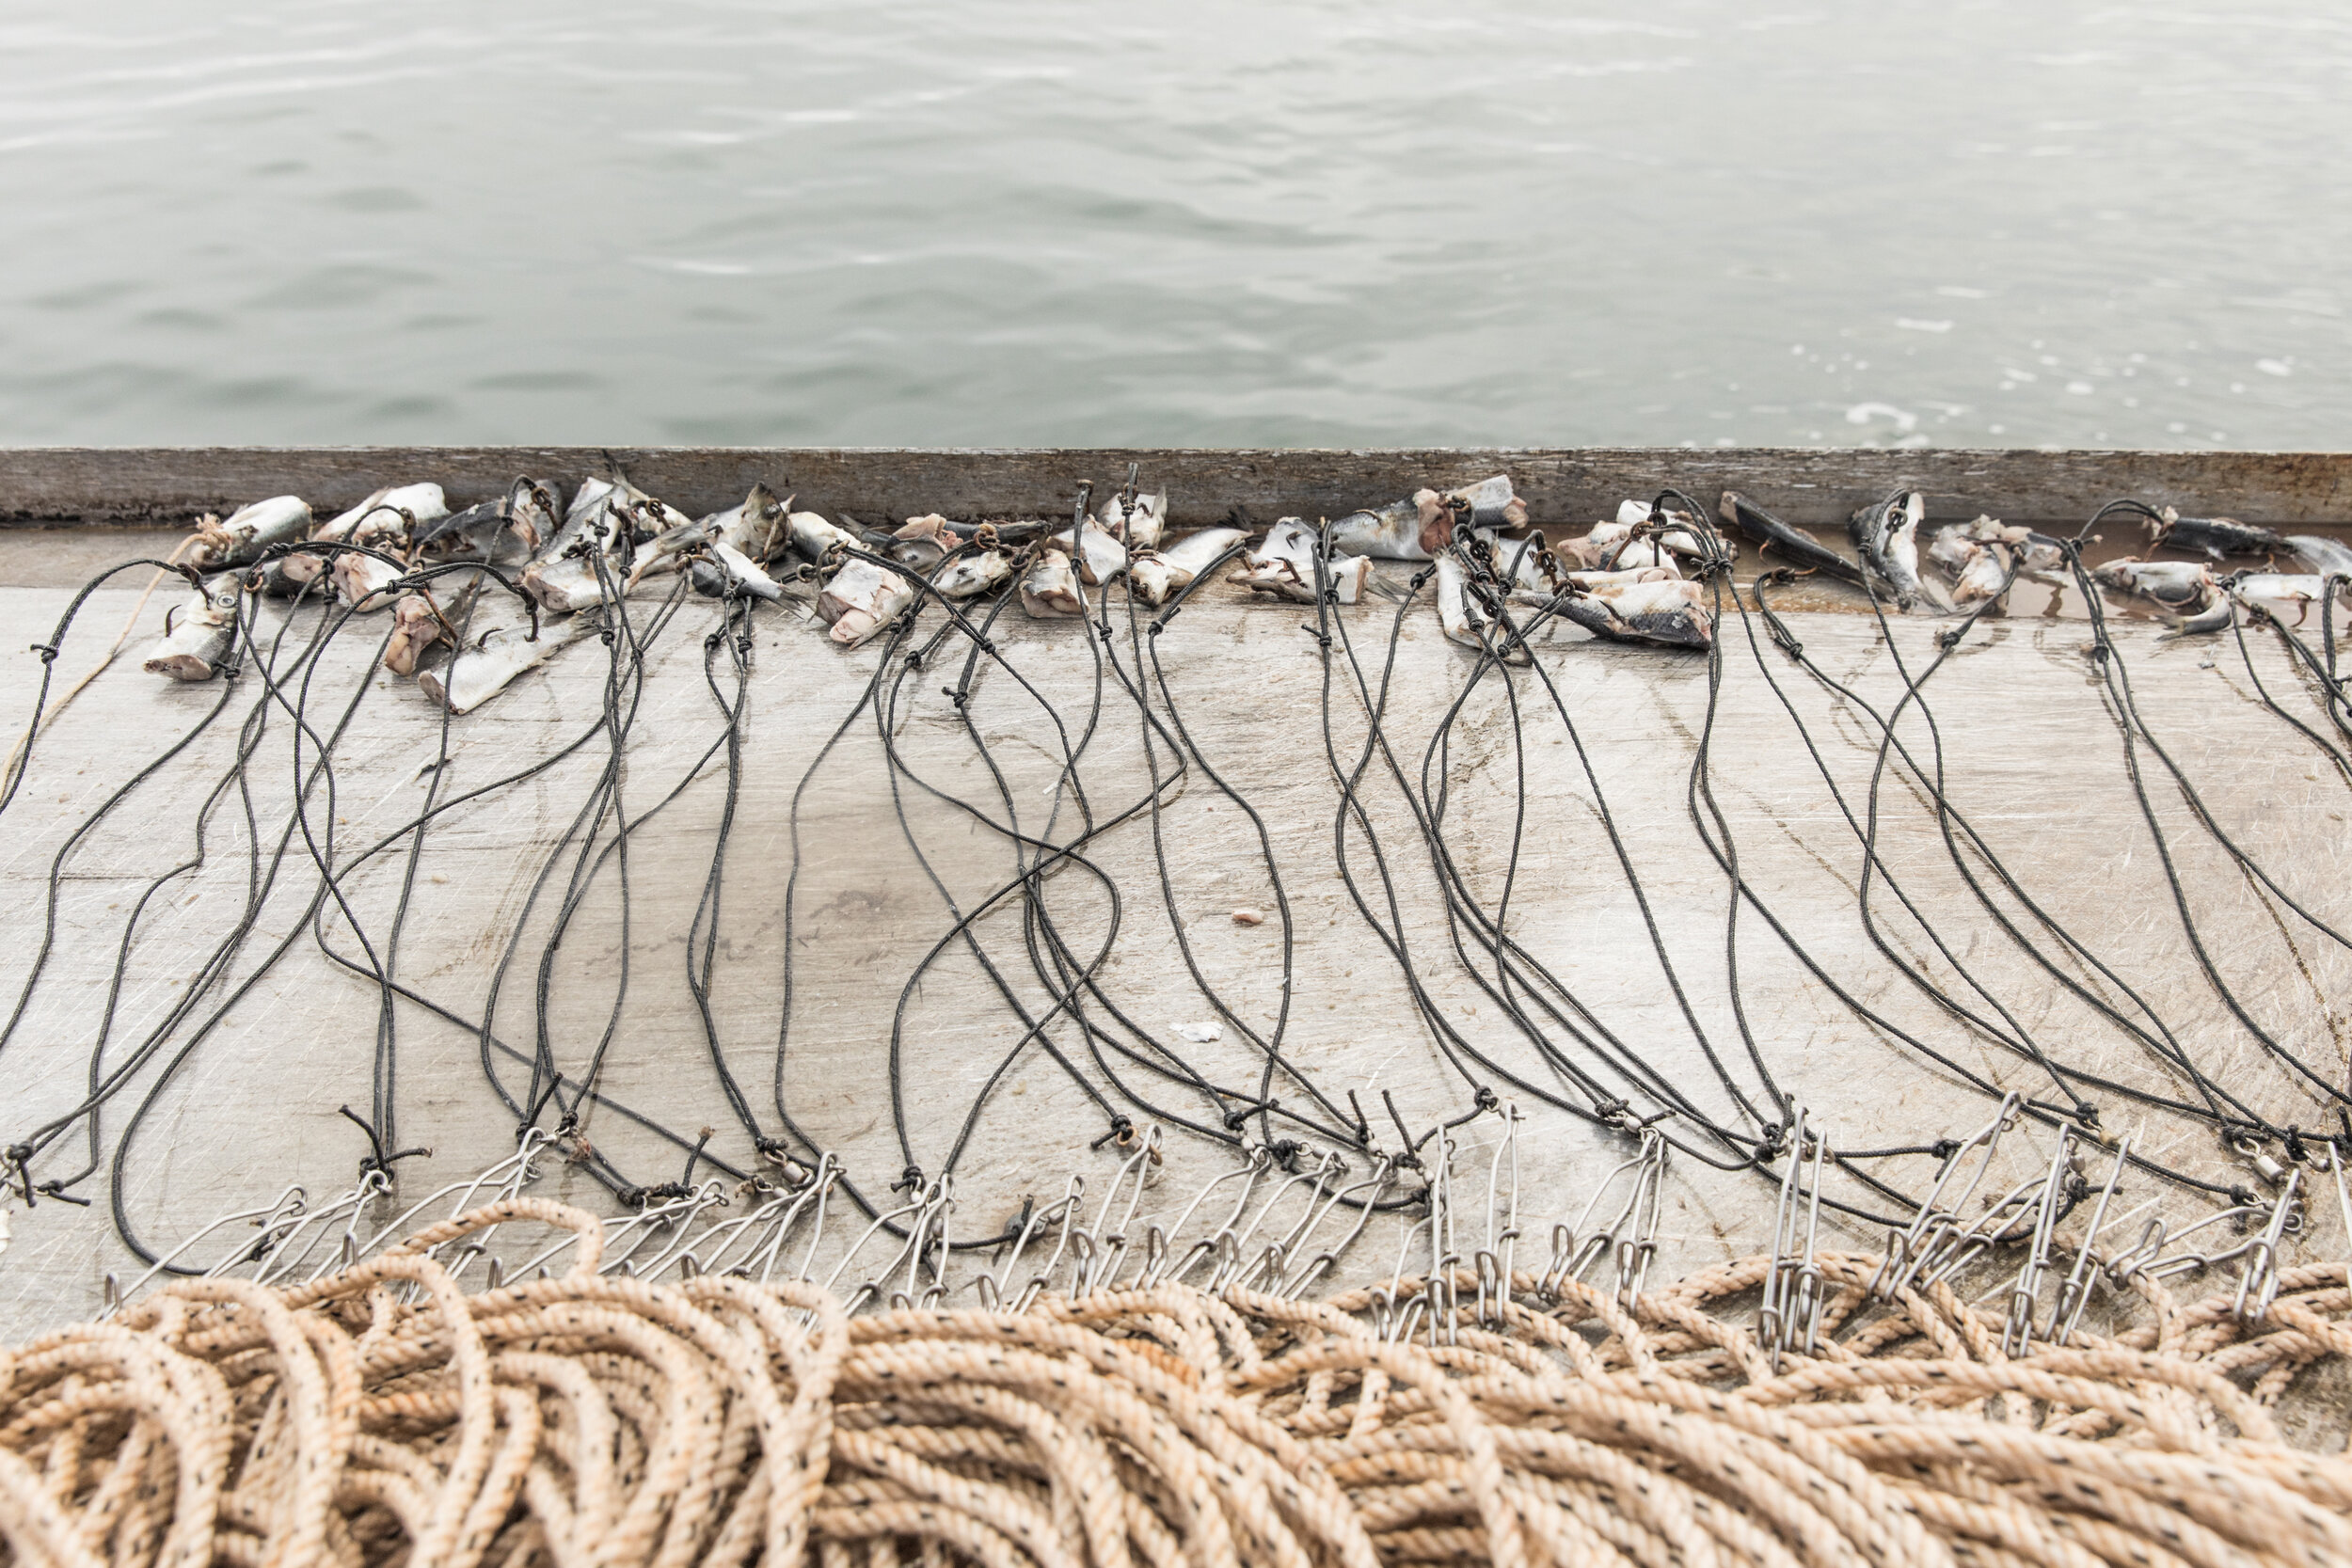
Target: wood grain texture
<point>1812,486</point>
<point>2034,760</point>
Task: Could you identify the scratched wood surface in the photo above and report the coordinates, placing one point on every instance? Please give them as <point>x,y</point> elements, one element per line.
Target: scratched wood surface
<point>239,1110</point>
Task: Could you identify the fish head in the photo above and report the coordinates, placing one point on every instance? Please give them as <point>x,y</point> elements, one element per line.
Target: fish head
<point>1152,578</point>
<point>416,626</point>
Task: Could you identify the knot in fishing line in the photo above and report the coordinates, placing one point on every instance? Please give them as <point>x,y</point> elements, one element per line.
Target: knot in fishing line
<point>909,1181</point>
<point>48,652</point>
<point>1285,1152</point>
<point>1323,638</point>
<point>1943,1149</point>
<point>956,694</point>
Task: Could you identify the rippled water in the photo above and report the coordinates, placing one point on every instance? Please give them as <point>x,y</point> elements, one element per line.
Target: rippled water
<point>1296,222</point>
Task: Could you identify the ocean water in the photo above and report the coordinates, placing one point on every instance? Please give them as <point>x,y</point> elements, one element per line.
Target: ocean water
<point>1305,222</point>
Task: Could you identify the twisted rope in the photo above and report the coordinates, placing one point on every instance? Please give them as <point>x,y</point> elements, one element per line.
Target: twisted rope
<point>382,1415</point>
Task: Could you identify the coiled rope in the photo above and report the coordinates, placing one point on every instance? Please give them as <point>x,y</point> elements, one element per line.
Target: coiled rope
<point>382,1416</point>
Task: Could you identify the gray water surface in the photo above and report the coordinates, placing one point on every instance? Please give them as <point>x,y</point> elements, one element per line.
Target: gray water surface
<point>877,222</point>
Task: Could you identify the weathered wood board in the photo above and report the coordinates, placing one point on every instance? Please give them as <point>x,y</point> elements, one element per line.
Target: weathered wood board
<point>1807,486</point>
<point>2034,758</point>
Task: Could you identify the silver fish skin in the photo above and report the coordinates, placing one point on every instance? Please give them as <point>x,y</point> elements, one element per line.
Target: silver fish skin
<point>2273,591</point>
<point>1284,563</point>
<point>2183,591</point>
<point>729,570</point>
<point>511,526</point>
<point>412,504</point>
<point>817,539</point>
<point>201,632</point>
<point>566,584</point>
<point>1590,580</point>
<point>1391,532</point>
<point>1492,504</point>
<point>248,532</point>
<point>1887,534</point>
<point>629,519</point>
<point>1682,539</point>
<point>922,543</point>
<point>650,517</point>
<point>1488,505</point>
<point>1611,547</point>
<point>2174,584</point>
<point>1138,524</point>
<point>1669,612</point>
<point>1155,576</point>
<point>586,511</point>
<point>563,575</point>
<point>1457,617</point>
<point>534,510</point>
<point>1050,587</point>
<point>1527,563</point>
<point>469,535</point>
<point>753,528</point>
<point>476,675</point>
<point>860,599</point>
<point>1196,553</point>
<point>2329,557</point>
<point>583,518</point>
<point>1097,555</point>
<point>1901,549</point>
